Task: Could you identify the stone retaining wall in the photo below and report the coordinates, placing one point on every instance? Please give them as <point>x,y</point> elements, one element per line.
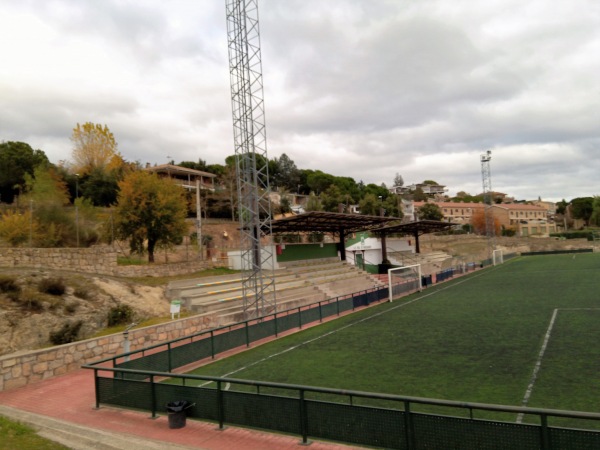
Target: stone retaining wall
<point>97,260</point>
<point>23,368</point>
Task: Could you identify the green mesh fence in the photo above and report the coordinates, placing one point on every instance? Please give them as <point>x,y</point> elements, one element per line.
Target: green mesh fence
<point>287,322</point>
<point>191,352</point>
<point>261,330</point>
<point>562,438</point>
<point>356,425</point>
<point>343,421</point>
<point>329,309</point>
<point>232,339</point>
<point>310,315</point>
<point>262,411</point>
<point>466,434</point>
<point>205,400</point>
<point>125,393</point>
<point>157,362</point>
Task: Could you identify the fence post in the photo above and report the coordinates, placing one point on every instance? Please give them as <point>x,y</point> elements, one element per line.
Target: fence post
<point>545,437</point>
<point>299,318</point>
<point>212,344</point>
<point>320,313</point>
<point>153,394</point>
<point>170,364</point>
<point>303,419</point>
<point>408,427</point>
<point>246,327</point>
<point>276,318</point>
<point>337,305</point>
<point>97,387</point>
<point>220,407</point>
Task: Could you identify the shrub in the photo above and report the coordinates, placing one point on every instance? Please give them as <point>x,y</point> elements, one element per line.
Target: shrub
<point>9,284</point>
<point>52,286</point>
<point>70,308</point>
<point>68,333</point>
<point>81,292</point>
<point>119,315</point>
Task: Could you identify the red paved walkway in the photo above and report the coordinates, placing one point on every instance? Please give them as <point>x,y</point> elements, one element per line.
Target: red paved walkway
<point>71,398</point>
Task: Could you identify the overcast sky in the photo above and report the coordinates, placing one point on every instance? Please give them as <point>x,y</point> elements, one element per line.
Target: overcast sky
<point>360,88</point>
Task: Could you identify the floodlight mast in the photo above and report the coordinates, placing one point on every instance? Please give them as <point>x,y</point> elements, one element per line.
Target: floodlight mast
<point>245,70</point>
<point>486,177</point>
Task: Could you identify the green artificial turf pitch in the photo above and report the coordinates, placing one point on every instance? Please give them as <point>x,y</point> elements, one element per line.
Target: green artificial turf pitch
<point>475,339</point>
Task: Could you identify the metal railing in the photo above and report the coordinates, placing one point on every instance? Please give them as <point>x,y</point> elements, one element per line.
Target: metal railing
<point>354,417</point>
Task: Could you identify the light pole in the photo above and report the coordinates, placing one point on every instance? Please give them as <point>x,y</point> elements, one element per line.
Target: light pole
<point>77,208</point>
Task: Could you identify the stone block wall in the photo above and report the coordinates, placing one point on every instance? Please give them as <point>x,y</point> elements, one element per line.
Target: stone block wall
<point>23,368</point>
<point>97,260</point>
<point>91,260</point>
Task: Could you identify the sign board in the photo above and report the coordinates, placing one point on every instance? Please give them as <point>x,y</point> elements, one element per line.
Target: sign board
<point>175,308</point>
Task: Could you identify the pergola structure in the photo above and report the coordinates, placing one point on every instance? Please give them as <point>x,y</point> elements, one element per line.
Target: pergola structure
<point>416,229</point>
<point>335,223</point>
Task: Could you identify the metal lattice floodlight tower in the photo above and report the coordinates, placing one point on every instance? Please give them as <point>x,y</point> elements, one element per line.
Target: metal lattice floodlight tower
<point>245,69</point>
<point>486,176</point>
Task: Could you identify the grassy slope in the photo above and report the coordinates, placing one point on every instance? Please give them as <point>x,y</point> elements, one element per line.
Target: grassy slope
<point>14,435</point>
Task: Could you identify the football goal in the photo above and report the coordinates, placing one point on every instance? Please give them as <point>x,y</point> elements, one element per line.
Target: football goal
<point>497,257</point>
<point>404,279</point>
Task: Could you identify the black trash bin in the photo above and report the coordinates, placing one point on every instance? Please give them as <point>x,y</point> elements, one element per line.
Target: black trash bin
<point>176,413</point>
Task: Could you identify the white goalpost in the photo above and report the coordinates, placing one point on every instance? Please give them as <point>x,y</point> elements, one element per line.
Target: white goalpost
<point>404,279</point>
<point>497,257</point>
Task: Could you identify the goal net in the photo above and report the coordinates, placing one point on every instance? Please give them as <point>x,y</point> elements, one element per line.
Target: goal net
<point>404,279</point>
<point>497,257</point>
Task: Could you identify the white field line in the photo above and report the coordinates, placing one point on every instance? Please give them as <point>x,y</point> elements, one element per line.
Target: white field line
<point>340,329</point>
<point>538,363</point>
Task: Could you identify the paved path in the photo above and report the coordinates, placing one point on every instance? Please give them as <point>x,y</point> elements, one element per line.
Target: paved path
<point>63,408</point>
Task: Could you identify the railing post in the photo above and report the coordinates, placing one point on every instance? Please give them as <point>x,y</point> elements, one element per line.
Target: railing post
<point>220,406</point>
<point>408,427</point>
<point>97,387</point>
<point>320,313</point>
<point>212,344</point>
<point>545,436</point>
<point>303,418</point>
<point>153,394</point>
<point>170,364</point>
<point>247,328</point>
<point>299,318</point>
<point>276,318</point>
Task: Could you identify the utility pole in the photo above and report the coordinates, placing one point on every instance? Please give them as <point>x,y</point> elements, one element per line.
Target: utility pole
<point>486,177</point>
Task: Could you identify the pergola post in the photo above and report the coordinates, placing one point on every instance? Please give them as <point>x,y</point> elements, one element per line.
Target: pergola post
<point>342,244</point>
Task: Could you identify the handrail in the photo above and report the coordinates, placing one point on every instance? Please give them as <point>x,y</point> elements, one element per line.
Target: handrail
<point>363,394</point>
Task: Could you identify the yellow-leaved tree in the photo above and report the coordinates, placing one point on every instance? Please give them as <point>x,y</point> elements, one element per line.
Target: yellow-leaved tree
<point>150,212</point>
<point>94,147</point>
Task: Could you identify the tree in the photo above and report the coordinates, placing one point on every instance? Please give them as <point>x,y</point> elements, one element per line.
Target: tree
<point>285,174</point>
<point>47,195</point>
<point>595,217</point>
<point>319,181</point>
<point>94,147</point>
<point>430,211</point>
<point>561,207</point>
<point>331,198</point>
<point>479,223</point>
<point>150,209</point>
<point>16,160</point>
<point>17,228</point>
<point>398,180</point>
<point>582,208</point>
<point>313,203</point>
<point>369,205</point>
<point>419,195</point>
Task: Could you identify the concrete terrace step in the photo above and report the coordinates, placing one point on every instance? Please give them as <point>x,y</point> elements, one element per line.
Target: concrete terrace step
<point>78,437</point>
